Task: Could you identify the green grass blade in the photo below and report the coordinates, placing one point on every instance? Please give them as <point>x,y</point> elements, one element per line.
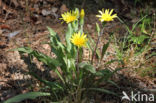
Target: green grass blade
<point>112,82</point>
<point>134,26</point>
<point>30,95</point>
<point>102,90</point>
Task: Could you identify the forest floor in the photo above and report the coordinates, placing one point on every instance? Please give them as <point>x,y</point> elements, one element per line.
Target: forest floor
<point>18,29</point>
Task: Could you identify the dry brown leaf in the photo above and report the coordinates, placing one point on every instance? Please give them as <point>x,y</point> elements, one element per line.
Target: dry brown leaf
<point>63,8</point>
<point>15,3</point>
<point>3,26</point>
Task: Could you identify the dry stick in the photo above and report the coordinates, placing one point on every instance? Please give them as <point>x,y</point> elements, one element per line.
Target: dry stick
<point>83,4</point>
<point>94,52</point>
<point>78,72</point>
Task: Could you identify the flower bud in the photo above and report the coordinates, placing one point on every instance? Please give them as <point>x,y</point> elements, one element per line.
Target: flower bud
<point>97,27</point>
<point>82,13</point>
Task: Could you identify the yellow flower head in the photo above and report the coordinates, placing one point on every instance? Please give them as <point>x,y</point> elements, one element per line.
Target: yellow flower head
<point>69,16</point>
<point>106,15</point>
<point>82,13</point>
<point>79,39</point>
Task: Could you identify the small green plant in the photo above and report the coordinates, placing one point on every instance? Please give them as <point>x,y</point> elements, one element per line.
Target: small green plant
<point>136,38</point>
<point>77,81</point>
<point>135,48</point>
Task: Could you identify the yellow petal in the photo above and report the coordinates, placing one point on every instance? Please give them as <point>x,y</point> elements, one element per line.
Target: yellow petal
<point>111,11</point>
<point>100,12</point>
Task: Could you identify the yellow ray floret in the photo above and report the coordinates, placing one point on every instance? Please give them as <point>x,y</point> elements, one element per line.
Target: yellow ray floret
<point>69,16</point>
<point>106,15</point>
<point>79,39</point>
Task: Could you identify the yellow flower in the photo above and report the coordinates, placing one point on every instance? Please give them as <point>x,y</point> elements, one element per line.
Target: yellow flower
<point>106,15</point>
<point>79,39</point>
<point>69,16</point>
<point>82,13</point>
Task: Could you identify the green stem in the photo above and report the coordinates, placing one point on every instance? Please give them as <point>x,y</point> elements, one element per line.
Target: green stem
<point>77,67</point>
<point>94,52</point>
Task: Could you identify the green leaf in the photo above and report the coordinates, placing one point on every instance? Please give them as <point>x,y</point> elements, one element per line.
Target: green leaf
<point>104,75</point>
<point>75,26</point>
<point>89,46</point>
<point>50,84</point>
<point>25,50</point>
<point>82,64</point>
<point>135,25</point>
<point>129,31</point>
<point>40,56</point>
<point>52,33</point>
<point>68,36</point>
<point>55,42</point>
<point>111,82</point>
<point>87,66</point>
<point>98,28</point>
<point>30,95</point>
<point>103,90</point>
<point>104,49</point>
<point>104,72</point>
<point>72,53</point>
<point>90,68</point>
<point>151,55</point>
<point>138,39</point>
<point>114,60</point>
<point>60,76</point>
<point>46,59</point>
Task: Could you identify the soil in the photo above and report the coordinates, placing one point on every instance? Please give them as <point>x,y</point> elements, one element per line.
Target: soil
<point>30,30</point>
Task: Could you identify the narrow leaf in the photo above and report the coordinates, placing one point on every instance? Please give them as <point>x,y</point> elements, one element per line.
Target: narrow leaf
<point>103,90</point>
<point>51,84</point>
<point>30,95</point>
<point>24,50</point>
<point>68,36</point>
<point>87,67</point>
<point>104,49</point>
<point>52,33</point>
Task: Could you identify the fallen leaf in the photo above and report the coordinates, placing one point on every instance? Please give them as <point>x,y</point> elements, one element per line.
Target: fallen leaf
<point>3,26</point>
<point>10,35</point>
<point>45,12</point>
<point>54,9</point>
<point>15,3</point>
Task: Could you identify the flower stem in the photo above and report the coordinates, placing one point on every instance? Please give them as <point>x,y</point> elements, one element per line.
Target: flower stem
<point>94,52</point>
<point>77,67</point>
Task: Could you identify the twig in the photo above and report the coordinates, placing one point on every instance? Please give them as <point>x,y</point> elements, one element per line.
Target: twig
<point>83,4</point>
